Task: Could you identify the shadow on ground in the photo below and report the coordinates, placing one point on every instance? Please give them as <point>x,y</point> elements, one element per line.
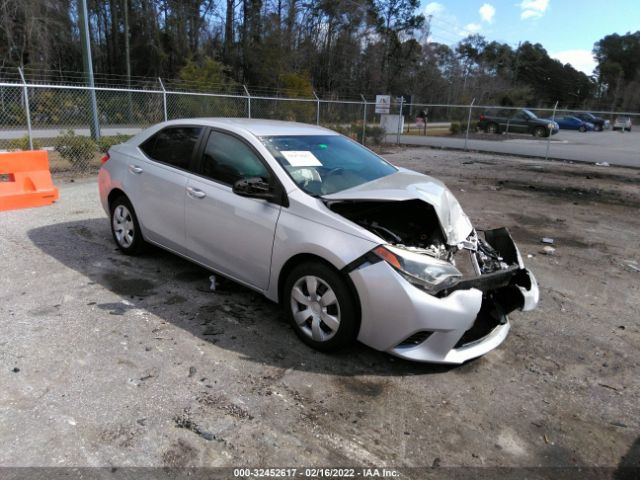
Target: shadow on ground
<point>629,466</point>
<point>233,317</point>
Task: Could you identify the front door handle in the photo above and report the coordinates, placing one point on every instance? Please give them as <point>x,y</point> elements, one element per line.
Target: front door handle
<point>135,169</point>
<point>195,193</point>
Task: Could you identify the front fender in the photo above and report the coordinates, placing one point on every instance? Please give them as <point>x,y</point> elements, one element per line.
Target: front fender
<point>296,235</point>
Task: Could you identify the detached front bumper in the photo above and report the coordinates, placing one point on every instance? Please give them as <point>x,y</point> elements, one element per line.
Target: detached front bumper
<point>466,323</point>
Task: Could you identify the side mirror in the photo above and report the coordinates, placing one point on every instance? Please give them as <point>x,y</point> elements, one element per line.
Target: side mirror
<point>254,187</point>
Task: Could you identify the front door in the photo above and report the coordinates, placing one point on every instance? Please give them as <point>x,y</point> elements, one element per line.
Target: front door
<point>229,233</point>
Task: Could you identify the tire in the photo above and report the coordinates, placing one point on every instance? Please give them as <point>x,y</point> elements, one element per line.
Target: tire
<point>582,129</point>
<point>492,128</point>
<point>323,326</point>
<point>125,227</point>
<point>598,128</point>
<point>540,132</point>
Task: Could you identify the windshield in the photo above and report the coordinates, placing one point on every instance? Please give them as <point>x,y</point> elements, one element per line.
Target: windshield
<point>326,164</point>
<point>529,114</point>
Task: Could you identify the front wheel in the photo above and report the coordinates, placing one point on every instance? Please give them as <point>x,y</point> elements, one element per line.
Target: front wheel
<point>125,227</point>
<point>320,306</point>
<point>582,129</point>
<point>540,132</point>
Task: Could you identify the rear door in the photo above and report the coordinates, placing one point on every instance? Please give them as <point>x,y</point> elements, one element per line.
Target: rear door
<point>229,233</point>
<point>519,123</point>
<point>157,183</point>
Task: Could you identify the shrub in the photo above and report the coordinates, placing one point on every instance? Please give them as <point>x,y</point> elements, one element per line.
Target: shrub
<point>455,128</point>
<point>376,134</point>
<point>22,143</point>
<point>77,149</point>
<point>342,129</point>
<point>105,143</point>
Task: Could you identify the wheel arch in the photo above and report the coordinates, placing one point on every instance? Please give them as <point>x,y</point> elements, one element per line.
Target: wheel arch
<point>115,193</point>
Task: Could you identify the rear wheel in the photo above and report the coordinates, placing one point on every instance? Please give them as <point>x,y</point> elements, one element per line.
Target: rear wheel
<point>492,128</point>
<point>125,227</point>
<point>320,306</point>
<point>540,132</point>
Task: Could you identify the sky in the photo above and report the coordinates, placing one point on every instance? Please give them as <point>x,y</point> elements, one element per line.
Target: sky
<point>567,29</point>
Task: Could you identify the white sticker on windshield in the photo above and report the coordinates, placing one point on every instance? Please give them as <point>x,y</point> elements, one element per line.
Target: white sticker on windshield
<point>301,158</point>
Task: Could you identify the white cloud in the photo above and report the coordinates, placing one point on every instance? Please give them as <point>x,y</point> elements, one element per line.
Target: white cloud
<point>533,8</point>
<point>433,8</point>
<point>487,11</point>
<point>579,59</point>
<point>471,28</point>
<point>446,26</point>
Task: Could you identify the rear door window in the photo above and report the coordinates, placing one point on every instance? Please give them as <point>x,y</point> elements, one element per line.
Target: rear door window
<point>173,146</point>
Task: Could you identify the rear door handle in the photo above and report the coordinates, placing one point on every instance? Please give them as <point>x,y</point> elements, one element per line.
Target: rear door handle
<point>135,169</point>
<point>195,193</point>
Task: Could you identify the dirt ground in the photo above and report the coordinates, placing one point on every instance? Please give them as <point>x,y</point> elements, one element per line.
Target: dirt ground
<point>107,360</point>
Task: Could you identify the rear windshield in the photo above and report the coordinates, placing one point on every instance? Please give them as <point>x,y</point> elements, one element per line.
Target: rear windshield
<point>326,164</point>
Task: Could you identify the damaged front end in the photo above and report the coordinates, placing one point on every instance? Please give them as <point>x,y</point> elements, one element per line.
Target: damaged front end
<point>483,270</point>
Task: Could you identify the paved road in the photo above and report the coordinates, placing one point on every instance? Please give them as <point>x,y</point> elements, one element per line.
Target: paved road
<point>54,132</point>
<point>616,148</point>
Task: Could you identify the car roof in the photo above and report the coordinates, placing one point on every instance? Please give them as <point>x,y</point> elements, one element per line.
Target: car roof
<point>257,126</point>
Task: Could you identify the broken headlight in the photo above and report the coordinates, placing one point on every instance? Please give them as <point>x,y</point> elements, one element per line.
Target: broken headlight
<point>427,273</point>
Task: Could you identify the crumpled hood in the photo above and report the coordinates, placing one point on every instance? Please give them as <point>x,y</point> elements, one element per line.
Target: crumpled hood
<point>408,185</point>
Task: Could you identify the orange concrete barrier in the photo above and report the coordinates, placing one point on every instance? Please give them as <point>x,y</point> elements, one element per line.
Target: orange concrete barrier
<point>25,180</point>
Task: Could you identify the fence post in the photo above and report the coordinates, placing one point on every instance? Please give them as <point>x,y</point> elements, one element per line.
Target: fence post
<point>400,119</point>
<point>317,108</point>
<point>466,137</point>
<point>553,119</point>
<point>26,108</point>
<point>164,98</point>
<point>246,91</point>
<point>364,119</point>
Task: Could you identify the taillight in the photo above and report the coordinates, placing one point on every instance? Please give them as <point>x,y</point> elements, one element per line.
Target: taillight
<point>481,117</point>
<point>105,158</point>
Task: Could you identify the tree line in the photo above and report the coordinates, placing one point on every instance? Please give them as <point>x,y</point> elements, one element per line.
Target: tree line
<point>337,48</point>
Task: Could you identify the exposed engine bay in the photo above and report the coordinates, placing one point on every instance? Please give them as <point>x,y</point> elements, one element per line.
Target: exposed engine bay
<point>488,260</point>
<point>411,224</point>
<point>414,225</point>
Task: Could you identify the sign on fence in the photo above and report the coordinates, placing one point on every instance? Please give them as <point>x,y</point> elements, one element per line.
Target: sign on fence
<point>383,103</point>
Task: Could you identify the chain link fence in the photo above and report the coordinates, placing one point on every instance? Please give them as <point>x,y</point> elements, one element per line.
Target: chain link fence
<point>62,120</point>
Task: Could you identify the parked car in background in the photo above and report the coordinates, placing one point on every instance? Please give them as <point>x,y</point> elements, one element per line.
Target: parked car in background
<point>574,123</point>
<point>599,123</point>
<point>622,123</point>
<point>517,121</point>
<point>350,245</point>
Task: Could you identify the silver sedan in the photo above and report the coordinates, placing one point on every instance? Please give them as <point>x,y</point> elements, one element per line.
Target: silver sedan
<point>350,245</point>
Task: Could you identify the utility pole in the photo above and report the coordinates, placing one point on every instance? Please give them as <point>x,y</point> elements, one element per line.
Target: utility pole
<point>88,67</point>
<point>127,55</point>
